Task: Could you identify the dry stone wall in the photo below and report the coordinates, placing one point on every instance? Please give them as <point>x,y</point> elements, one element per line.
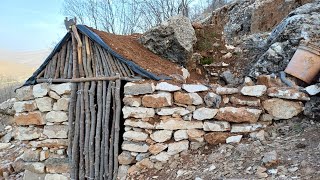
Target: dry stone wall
<point>163,120</point>
<point>42,119</point>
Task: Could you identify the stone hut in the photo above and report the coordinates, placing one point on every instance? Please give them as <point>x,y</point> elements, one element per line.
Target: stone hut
<point>102,106</point>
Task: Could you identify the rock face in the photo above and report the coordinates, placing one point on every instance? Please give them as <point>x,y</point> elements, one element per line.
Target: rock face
<point>172,39</point>
<point>282,109</point>
<point>301,24</point>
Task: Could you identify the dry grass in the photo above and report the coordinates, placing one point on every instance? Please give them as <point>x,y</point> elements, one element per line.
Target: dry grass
<point>7,87</point>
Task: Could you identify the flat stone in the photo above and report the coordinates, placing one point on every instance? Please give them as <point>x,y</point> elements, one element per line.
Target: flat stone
<point>61,89</point>
<point>170,111</point>
<point>126,158</point>
<point>270,158</point>
<point>44,104</point>
<point>182,98</point>
<point>57,165</point>
<point>287,93</point>
<point>238,115</point>
<point>122,172</point>
<point>137,112</point>
<point>196,99</point>
<point>135,146</point>
<point>35,167</point>
<point>56,131</point>
<point>135,136</point>
<point>244,128</point>
<point>216,126</point>
<point>50,143</point>
<point>133,101</point>
<point>212,100</point>
<point>40,90</point>
<point>55,177</point>
<point>225,90</point>
<point>162,157</point>
<point>24,93</point>
<point>282,109</point>
<point>204,113</point>
<point>257,90</point>
<point>164,86</point>
<point>234,139</point>
<point>313,89</point>
<point>177,147</point>
<point>4,145</point>
<point>215,138</point>
<point>157,148</point>
<point>136,89</point>
<point>25,106</point>
<point>161,136</point>
<point>266,117</point>
<point>191,88</point>
<point>178,123</point>
<point>56,116</point>
<point>31,156</point>
<point>159,100</point>
<point>180,135</point>
<point>31,118</point>
<point>28,175</point>
<point>54,95</point>
<point>138,124</point>
<point>28,133</point>
<point>62,104</point>
<point>195,135</point>
<point>246,101</point>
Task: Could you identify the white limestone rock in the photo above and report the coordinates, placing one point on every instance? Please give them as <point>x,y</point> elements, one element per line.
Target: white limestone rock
<point>204,113</point>
<point>257,90</point>
<point>164,86</point>
<point>216,126</point>
<point>137,112</point>
<point>191,88</point>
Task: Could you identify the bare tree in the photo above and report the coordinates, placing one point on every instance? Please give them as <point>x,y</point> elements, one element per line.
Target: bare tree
<point>126,16</point>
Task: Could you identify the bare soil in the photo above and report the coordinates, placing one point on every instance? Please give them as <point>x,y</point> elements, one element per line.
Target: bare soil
<point>296,142</point>
<point>129,47</point>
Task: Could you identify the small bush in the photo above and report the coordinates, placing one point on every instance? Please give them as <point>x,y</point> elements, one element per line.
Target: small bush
<point>206,60</point>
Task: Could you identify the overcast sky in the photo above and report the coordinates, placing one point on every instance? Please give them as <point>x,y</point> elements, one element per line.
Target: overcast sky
<point>30,25</point>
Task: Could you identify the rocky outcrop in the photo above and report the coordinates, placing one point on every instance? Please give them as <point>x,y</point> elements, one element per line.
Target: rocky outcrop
<point>172,39</point>
<point>301,24</point>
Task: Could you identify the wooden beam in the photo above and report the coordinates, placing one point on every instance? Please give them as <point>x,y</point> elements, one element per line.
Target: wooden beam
<point>75,80</point>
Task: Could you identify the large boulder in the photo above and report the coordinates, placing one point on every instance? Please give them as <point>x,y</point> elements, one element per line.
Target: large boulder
<point>172,39</point>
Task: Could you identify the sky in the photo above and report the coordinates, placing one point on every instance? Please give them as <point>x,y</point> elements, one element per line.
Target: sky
<point>30,25</point>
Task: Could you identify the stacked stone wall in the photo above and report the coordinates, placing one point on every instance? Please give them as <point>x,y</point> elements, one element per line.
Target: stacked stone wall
<point>42,126</point>
<point>163,120</point>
